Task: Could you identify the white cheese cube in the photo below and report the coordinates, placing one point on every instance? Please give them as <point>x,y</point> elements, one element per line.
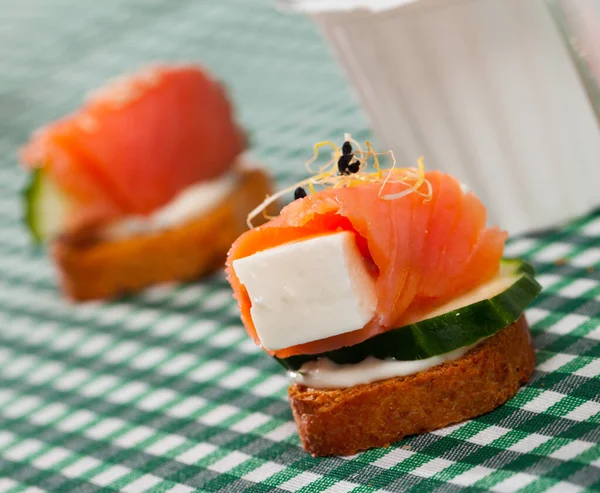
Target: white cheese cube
<point>308,290</point>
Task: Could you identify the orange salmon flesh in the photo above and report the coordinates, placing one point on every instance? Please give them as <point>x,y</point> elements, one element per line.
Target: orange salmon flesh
<point>421,252</point>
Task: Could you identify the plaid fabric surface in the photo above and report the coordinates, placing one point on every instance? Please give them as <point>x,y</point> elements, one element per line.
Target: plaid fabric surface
<point>164,391</point>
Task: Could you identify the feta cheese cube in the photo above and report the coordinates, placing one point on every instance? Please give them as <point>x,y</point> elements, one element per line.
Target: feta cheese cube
<point>308,290</point>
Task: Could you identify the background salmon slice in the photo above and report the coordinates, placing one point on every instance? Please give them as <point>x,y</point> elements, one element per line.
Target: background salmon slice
<point>139,141</point>
<point>424,252</point>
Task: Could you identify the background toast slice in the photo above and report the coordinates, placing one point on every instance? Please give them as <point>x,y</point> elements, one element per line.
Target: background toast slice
<point>105,269</point>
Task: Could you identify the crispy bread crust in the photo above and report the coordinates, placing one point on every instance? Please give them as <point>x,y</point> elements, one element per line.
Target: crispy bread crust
<point>345,421</point>
<point>105,269</point>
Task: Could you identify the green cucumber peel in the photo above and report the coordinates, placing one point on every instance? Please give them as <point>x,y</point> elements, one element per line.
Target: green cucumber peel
<point>45,207</point>
<point>444,332</point>
<point>29,194</point>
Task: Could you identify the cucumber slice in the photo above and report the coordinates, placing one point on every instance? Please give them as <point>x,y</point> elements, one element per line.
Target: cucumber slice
<point>45,207</point>
<point>461,322</point>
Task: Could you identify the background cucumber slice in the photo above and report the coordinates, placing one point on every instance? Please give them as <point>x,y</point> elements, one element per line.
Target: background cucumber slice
<point>45,207</point>
<point>461,322</point>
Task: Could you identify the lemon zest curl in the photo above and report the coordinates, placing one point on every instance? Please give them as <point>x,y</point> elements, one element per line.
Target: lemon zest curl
<point>328,176</point>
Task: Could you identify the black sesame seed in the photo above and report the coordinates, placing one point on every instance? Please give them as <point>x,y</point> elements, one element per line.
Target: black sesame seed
<point>354,167</point>
<point>347,148</point>
<point>343,163</point>
<point>299,193</point>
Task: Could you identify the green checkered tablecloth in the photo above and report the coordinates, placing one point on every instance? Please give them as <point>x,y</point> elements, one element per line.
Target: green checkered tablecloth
<point>164,391</point>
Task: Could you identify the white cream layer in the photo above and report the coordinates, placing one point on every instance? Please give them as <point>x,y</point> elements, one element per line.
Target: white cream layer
<point>189,204</point>
<point>325,374</point>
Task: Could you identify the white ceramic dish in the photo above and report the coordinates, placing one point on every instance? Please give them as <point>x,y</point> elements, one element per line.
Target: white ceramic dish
<point>483,89</point>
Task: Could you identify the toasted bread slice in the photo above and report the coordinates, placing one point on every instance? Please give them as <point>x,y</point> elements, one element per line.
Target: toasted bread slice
<point>105,269</point>
<point>345,421</point>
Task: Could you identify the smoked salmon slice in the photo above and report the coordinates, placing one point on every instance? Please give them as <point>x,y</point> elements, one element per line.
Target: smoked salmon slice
<point>422,251</point>
<point>138,142</point>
